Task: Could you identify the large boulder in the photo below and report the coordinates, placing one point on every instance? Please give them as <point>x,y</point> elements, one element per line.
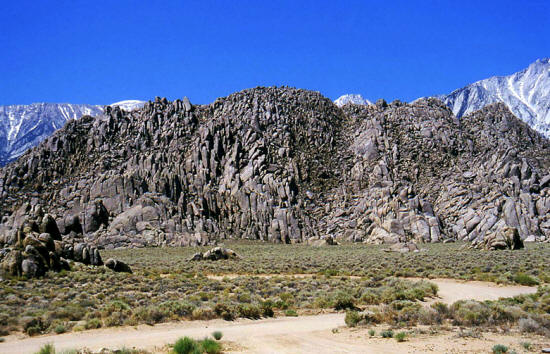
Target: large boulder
<point>117,266</point>
<point>507,238</point>
<point>49,226</point>
<point>215,254</point>
<point>95,217</point>
<point>11,263</point>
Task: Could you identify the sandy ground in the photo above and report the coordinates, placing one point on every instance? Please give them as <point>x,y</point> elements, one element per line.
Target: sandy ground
<point>304,334</point>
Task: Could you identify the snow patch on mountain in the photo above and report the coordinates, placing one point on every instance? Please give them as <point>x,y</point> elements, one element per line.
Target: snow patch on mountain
<point>25,126</point>
<point>351,98</point>
<point>129,105</point>
<point>526,93</point>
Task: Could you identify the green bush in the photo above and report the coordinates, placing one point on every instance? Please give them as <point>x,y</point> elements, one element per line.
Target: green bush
<point>186,345</point>
<point>47,349</point>
<point>400,337</point>
<point>387,334</point>
<point>249,311</point>
<point>217,335</point>
<point>352,318</point>
<point>210,346</point>
<point>500,349</point>
<point>525,279</point>
<point>224,311</point>
<point>526,345</point>
<point>267,308</point>
<point>372,332</point>
<point>343,301</point>
<point>60,329</point>
<point>93,323</point>
<point>177,308</point>
<point>2,340</point>
<point>34,330</point>
<point>291,313</point>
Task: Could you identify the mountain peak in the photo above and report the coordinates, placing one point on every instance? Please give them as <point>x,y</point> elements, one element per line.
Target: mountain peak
<point>525,93</point>
<point>351,99</point>
<point>128,105</point>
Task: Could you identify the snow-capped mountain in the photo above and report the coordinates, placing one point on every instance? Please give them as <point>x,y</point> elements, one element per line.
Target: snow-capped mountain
<point>351,98</point>
<point>129,105</point>
<point>526,93</point>
<point>25,126</point>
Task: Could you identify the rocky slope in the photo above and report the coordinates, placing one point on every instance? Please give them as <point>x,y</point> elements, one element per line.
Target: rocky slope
<point>525,93</point>
<point>25,126</point>
<point>285,165</point>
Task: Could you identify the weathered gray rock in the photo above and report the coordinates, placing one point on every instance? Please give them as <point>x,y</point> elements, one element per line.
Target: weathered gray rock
<point>117,266</point>
<point>281,165</point>
<point>403,247</point>
<point>215,254</point>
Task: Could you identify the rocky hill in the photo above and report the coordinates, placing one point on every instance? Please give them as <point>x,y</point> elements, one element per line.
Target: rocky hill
<point>284,165</point>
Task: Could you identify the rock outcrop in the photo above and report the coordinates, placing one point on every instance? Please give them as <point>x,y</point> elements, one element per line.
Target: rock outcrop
<point>285,165</point>
<point>33,245</point>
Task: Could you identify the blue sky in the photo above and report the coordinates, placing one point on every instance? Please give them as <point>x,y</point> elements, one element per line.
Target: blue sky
<point>100,52</point>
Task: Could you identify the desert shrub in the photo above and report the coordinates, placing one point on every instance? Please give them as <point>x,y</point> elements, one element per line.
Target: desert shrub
<point>210,346</point>
<point>352,318</point>
<point>217,335</point>
<point>387,334</point>
<point>403,311</point>
<point>287,298</point>
<point>33,330</point>
<point>525,279</point>
<point>291,313</point>
<point>372,332</point>
<point>343,301</point>
<point>60,328</point>
<point>47,349</point>
<point>249,311</point>
<point>117,305</point>
<point>115,319</point>
<point>322,302</point>
<point>267,308</point>
<point>2,340</point>
<point>528,325</point>
<point>149,315</point>
<point>429,316</point>
<point>177,308</point>
<point>441,308</point>
<point>527,346</point>
<point>500,349</point>
<point>203,313</point>
<point>224,311</point>
<point>469,313</point>
<point>370,297</point>
<point>93,323</point>
<point>400,337</point>
<point>186,345</point>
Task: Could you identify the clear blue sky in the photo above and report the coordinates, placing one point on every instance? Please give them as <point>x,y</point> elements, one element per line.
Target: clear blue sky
<point>104,51</point>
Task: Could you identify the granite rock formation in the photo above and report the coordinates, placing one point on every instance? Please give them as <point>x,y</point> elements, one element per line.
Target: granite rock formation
<point>286,165</point>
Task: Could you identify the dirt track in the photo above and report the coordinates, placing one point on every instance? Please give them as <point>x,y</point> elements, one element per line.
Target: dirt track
<point>303,334</point>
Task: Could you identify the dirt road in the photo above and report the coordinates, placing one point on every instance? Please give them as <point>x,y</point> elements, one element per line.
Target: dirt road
<point>303,334</point>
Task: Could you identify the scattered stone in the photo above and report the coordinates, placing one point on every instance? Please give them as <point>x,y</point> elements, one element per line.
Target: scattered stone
<point>403,247</point>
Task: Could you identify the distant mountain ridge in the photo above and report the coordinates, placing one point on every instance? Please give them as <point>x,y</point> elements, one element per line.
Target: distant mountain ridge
<point>526,93</point>
<point>25,126</point>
